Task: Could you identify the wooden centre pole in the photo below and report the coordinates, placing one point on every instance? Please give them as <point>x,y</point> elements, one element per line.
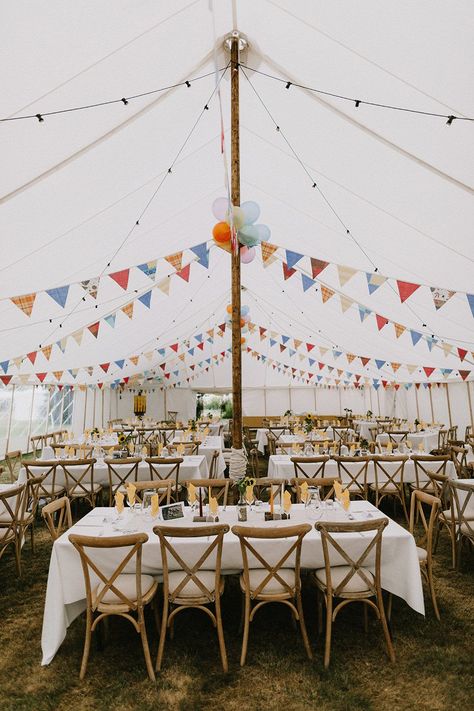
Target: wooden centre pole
<point>235,257</point>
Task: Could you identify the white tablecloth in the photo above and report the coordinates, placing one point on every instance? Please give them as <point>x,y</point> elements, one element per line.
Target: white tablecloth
<point>363,427</point>
<point>262,439</point>
<point>65,594</point>
<point>428,438</point>
<point>207,448</point>
<point>280,466</point>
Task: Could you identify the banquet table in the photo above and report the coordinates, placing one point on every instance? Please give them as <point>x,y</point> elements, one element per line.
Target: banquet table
<point>65,593</point>
<point>207,447</point>
<point>193,467</point>
<point>427,438</point>
<point>262,439</point>
<point>280,466</point>
<point>363,427</point>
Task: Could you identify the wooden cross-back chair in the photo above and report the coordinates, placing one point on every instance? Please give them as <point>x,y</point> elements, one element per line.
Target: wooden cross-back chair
<point>29,507</point>
<point>442,439</point>
<point>214,463</point>
<point>121,472</point>
<point>145,434</point>
<point>36,443</point>
<point>271,581</point>
<point>389,480</point>
<point>166,434</point>
<point>80,480</point>
<point>453,433</point>
<point>446,514</point>
<point>425,464</point>
<point>341,434</point>
<point>459,457</point>
<point>397,436</point>
<point>352,472</point>
<point>419,500</point>
<point>52,485</point>
<point>463,505</point>
<point>325,484</point>
<point>197,584</point>
<point>162,488</point>
<point>374,431</point>
<point>309,467</point>
<point>57,516</point>
<point>11,504</point>
<point>277,432</point>
<point>12,459</point>
<point>163,468</point>
<point>219,488</point>
<point>264,486</point>
<point>353,581</point>
<point>118,593</point>
<point>190,449</point>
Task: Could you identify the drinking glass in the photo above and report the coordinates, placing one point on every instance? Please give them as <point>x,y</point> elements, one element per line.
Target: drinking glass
<point>313,503</point>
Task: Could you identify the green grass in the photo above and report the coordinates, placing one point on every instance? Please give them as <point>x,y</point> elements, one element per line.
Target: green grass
<point>433,670</point>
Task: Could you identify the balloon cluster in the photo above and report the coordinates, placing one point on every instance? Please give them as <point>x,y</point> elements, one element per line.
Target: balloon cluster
<point>243,219</point>
<point>244,320</point>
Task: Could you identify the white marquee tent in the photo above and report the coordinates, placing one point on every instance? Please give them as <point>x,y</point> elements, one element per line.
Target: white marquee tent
<point>366,298</point>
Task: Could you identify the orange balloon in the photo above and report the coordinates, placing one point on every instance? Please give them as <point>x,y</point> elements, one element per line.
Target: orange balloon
<point>229,308</point>
<point>225,245</point>
<point>242,322</point>
<point>242,340</point>
<point>221,232</point>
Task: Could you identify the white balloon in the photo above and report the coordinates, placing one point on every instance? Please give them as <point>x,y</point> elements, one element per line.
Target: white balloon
<point>251,211</point>
<point>263,232</point>
<point>220,208</point>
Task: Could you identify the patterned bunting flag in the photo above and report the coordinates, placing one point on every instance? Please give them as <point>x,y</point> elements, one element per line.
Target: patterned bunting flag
<point>447,348</point>
<point>46,351</point>
<point>440,296</point>
<point>128,309</point>
<point>58,374</point>
<point>268,251</point>
<point>148,268</point>
<point>399,329</point>
<point>326,293</point>
<point>374,281</point>
<point>346,302</point>
<point>431,341</point>
<point>121,278</point>
<point>59,295</point>
<point>164,285</point>
<point>134,359</point>
<point>317,266</point>
<point>25,302</point>
<point>91,286</point>
<point>364,312</point>
<point>176,260</point>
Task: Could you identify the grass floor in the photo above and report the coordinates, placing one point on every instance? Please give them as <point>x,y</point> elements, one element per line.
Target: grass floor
<point>434,666</point>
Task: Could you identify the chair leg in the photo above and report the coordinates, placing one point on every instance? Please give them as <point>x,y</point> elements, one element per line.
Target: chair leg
<point>87,645</point>
<point>220,635</point>
<point>146,648</point>
<point>366,618</point>
<point>304,633</point>
<point>434,602</point>
<point>164,623</point>
<point>245,638</point>
<point>386,631</point>
<point>389,606</point>
<point>327,643</point>
<point>32,536</point>
<point>18,555</point>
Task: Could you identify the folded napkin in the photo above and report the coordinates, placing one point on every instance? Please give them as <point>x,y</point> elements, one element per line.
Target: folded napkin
<point>421,447</point>
<point>352,449</point>
<point>144,451</point>
<point>155,507</point>
<point>249,497</point>
<point>213,505</point>
<point>191,493</point>
<point>389,446</point>
<point>409,443</point>
<point>131,489</point>
<point>119,497</point>
<point>303,491</point>
<point>345,499</point>
<point>287,502</point>
<point>180,448</point>
<point>338,490</point>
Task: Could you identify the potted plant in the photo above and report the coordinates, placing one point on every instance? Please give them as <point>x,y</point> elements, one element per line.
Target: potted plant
<point>369,414</point>
<point>308,424</point>
<point>242,485</point>
<point>364,445</point>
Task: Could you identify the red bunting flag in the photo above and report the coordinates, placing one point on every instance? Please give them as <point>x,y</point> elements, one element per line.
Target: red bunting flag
<point>5,379</point>
<point>464,374</point>
<point>287,271</point>
<point>309,347</point>
<point>317,266</point>
<point>364,360</point>
<point>428,371</point>
<point>121,278</point>
<point>94,329</point>
<point>31,357</point>
<point>41,376</point>
<point>184,273</point>
<point>105,366</point>
<point>381,321</point>
<point>174,347</point>
<point>406,289</point>
<point>462,353</point>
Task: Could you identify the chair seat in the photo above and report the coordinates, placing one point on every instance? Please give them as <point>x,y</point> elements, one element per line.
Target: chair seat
<point>126,583</point>
<point>191,590</point>
<point>355,584</point>
<point>467,530</point>
<point>24,519</point>
<point>6,535</point>
<point>79,491</point>
<point>385,487</point>
<point>50,490</point>
<point>448,515</point>
<point>421,553</point>
<point>273,586</point>
<point>424,486</point>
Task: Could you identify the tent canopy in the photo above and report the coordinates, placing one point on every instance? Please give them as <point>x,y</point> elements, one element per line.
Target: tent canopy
<point>74,185</point>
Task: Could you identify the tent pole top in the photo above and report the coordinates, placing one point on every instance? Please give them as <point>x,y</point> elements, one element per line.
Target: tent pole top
<point>231,36</point>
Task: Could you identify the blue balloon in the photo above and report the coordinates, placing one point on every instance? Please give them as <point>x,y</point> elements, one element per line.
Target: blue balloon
<point>249,235</point>
<point>264,232</point>
<point>244,310</point>
<point>251,211</point>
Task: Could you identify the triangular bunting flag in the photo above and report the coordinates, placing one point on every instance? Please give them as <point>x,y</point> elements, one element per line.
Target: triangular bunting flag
<point>184,273</point>
<point>379,363</point>
<point>292,258</point>
<point>464,374</point>
<point>307,282</point>
<point>374,281</point>
<point>381,321</point>
<point>121,278</point>
<point>345,273</point>
<point>148,268</point>
<point>326,293</point>
<point>91,286</point>
<point>31,357</point>
<point>406,289</point>
<point>59,295</point>
<point>440,296</point>
<point>4,365</point>
<point>105,366</point>
<point>119,363</point>
<point>462,353</point>
<point>317,266</point>
<point>128,309</point>
<point>267,250</point>
<point>287,271</point>
<point>399,329</point>
<point>41,376</point>
<point>164,285</point>
<point>145,299</point>
<point>415,336</point>
<point>364,312</point>
<point>346,302</point>
<point>175,260</point>
<point>6,379</point>
<point>428,371</point>
<point>110,319</point>
<point>202,253</point>
<point>25,302</point>
<point>94,329</point>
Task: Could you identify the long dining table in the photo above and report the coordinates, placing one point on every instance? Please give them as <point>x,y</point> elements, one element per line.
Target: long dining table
<point>65,592</point>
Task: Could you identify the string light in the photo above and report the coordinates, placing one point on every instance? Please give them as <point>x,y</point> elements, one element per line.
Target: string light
<point>392,107</point>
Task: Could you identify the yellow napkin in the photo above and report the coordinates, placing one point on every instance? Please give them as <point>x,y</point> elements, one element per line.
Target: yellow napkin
<point>119,501</point>
<point>131,489</point>
<point>338,489</point>
<point>409,443</point>
<point>180,448</point>
<point>214,506</point>
<point>421,447</point>
<point>352,449</point>
<point>155,507</point>
<point>345,500</point>
<point>144,451</point>
<point>389,446</point>
<point>249,497</point>
<point>206,431</point>
<point>159,448</point>
<point>303,491</point>
<point>191,493</point>
<point>287,502</point>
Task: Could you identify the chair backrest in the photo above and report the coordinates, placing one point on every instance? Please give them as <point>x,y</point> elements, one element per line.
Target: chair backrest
<point>440,484</point>
<point>419,500</point>
<point>442,439</point>
<point>132,546</point>
<point>424,464</point>
<point>467,433</point>
<point>46,470</point>
<point>11,460</point>
<point>326,484</point>
<point>11,506</point>
<point>167,434</point>
<point>162,468</point>
<point>210,559</point>
<point>389,471</point>
<point>277,432</point>
<point>79,476</point>
<point>398,436</point>
<point>284,554</point>
<point>62,509</point>
<point>189,448</point>
<point>458,455</point>
<point>334,537</point>
<point>162,488</point>
<point>271,440</point>
<point>463,504</point>
<point>352,471</point>
<point>219,488</point>
<point>266,485</point>
<point>214,463</point>
<point>453,433</point>
<point>310,467</point>
<point>36,442</point>
<point>341,434</point>
<point>145,434</point>
<point>122,472</point>
<point>30,499</point>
